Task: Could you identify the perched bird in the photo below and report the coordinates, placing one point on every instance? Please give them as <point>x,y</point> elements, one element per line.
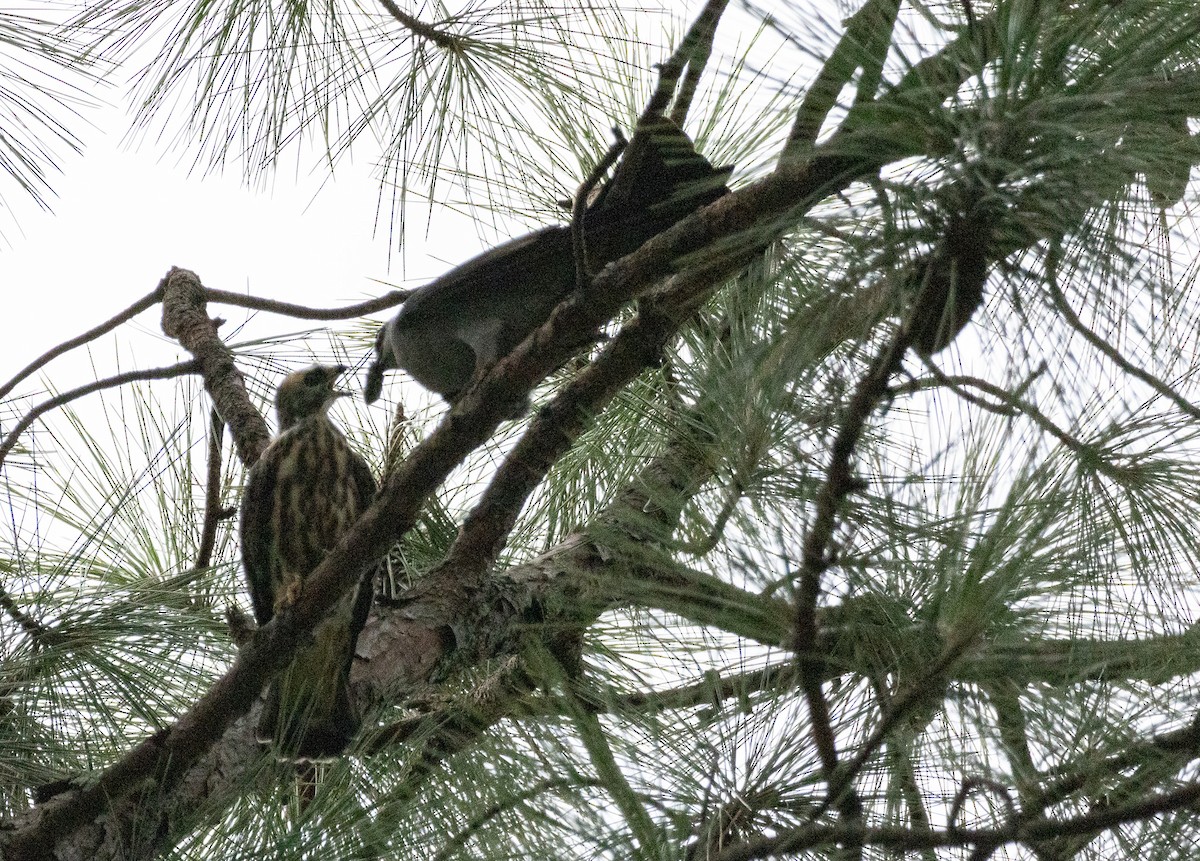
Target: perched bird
<point>305,491</point>
<point>457,325</point>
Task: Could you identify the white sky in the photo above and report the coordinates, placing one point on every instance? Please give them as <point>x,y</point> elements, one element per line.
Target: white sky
<point>125,215</point>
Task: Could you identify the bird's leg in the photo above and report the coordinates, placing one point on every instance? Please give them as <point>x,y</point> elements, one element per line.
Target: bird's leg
<point>290,592</point>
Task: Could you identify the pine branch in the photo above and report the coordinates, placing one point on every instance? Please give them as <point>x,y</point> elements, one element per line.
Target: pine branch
<point>184,318</point>
<point>212,492</point>
<point>692,53</point>
<point>37,631</point>
<point>167,373</point>
<point>1035,831</point>
<point>390,299</point>
<point>818,557</point>
<point>167,756</point>
<point>419,28</point>
<point>147,301</point>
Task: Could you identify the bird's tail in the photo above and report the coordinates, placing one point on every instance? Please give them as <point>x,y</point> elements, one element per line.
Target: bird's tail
<point>308,714</point>
<point>660,179</point>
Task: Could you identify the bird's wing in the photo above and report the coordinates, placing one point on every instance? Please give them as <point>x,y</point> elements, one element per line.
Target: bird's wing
<point>533,266</point>
<point>258,533</point>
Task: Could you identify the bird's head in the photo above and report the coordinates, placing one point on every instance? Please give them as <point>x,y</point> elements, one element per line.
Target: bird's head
<point>307,393</point>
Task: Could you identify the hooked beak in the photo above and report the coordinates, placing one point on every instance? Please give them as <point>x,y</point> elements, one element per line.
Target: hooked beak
<point>338,370</point>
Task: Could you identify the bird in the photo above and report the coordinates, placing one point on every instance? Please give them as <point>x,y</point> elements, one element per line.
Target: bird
<point>301,496</point>
<point>451,329</point>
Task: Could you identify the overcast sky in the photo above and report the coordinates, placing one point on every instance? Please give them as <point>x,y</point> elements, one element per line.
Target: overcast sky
<point>125,215</point>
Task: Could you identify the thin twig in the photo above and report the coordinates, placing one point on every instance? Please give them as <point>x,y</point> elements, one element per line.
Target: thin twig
<point>212,491</point>
<point>31,626</point>
<point>705,29</point>
<point>971,784</point>
<point>909,840</point>
<point>583,270</point>
<point>189,367</point>
<point>1114,355</point>
<point>420,28</point>
<point>817,558</point>
<point>1013,405</point>
<point>702,29</point>
<point>388,300</point>
<point>90,335</point>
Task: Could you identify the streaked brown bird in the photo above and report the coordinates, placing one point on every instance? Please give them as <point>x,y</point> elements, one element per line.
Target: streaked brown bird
<point>301,496</point>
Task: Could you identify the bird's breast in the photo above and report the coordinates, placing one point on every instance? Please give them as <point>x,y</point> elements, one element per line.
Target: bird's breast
<point>316,498</point>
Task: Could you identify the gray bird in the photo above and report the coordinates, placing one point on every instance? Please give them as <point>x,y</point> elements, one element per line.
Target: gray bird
<point>301,496</point>
<point>448,331</point>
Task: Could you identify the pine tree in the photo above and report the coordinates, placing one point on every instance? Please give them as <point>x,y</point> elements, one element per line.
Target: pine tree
<point>866,529</point>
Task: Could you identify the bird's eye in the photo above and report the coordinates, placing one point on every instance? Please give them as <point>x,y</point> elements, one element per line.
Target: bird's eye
<point>315,377</point>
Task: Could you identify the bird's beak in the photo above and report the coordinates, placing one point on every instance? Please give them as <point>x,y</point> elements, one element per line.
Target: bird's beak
<point>338,370</point>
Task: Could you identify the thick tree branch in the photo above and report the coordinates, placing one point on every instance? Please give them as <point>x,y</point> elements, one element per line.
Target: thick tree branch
<point>185,319</point>
<point>1114,355</point>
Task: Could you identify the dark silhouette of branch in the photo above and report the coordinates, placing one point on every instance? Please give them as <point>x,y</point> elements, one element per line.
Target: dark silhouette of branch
<point>90,335</point>
<point>698,47</point>
<point>178,370</point>
<point>713,690</point>
<point>907,840</point>
<point>372,306</point>
<point>382,303</point>
<point>871,26</point>
<point>37,631</point>
<point>557,425</point>
<point>212,491</point>
<point>419,28</point>
<point>819,555</point>
<point>694,48</point>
